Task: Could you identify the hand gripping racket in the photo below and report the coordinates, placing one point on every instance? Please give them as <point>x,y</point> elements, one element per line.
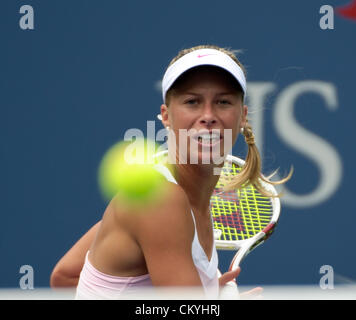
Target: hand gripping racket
<point>242,219</point>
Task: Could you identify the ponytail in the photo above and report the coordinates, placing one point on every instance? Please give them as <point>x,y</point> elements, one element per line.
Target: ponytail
<point>251,171</point>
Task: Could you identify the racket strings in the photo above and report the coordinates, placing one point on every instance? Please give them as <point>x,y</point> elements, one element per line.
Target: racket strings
<point>239,214</point>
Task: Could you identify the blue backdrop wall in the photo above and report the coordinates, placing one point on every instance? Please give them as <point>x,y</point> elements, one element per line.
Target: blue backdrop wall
<point>89,71</point>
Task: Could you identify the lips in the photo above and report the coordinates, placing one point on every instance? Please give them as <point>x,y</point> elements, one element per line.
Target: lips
<point>207,138</point>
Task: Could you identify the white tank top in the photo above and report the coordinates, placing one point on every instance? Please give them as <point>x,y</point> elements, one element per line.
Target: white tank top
<point>94,284</point>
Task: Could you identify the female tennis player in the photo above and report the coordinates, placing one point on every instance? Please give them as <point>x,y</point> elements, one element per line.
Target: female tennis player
<point>172,244</point>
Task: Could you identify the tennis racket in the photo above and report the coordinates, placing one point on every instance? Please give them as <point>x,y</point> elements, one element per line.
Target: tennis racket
<point>242,219</point>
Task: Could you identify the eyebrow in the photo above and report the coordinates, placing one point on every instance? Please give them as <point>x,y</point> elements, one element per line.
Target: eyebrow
<point>218,94</point>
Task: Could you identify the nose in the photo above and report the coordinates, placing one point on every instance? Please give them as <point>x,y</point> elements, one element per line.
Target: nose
<point>208,122</point>
<point>208,117</point>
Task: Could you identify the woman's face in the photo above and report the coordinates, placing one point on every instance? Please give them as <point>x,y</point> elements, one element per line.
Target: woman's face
<point>205,112</point>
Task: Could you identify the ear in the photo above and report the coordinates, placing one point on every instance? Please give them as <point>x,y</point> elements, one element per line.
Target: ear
<point>244,116</point>
<point>164,115</point>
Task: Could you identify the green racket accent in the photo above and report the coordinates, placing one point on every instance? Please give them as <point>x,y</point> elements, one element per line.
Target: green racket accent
<point>239,214</point>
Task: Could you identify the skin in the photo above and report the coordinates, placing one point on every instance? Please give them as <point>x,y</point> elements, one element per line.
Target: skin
<point>125,241</point>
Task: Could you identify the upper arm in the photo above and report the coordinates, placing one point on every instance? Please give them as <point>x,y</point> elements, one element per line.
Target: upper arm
<point>67,270</point>
<point>165,236</point>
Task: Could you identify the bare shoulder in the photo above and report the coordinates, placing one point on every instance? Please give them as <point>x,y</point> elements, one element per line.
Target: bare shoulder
<point>164,233</point>
<point>169,213</point>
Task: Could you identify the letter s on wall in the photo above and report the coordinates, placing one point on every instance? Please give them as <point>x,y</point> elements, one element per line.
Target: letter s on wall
<point>317,149</point>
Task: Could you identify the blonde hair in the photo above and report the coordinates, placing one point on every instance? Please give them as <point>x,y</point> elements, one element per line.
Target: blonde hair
<point>251,171</point>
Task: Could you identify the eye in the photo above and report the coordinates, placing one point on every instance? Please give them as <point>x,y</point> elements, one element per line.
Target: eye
<point>224,102</point>
<point>191,101</point>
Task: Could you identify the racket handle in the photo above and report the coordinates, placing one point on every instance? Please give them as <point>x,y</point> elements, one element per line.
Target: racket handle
<point>229,291</point>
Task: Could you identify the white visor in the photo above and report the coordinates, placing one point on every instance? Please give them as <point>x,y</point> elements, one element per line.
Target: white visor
<point>211,57</point>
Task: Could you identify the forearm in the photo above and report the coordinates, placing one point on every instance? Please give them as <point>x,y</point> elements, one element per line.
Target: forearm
<point>59,280</point>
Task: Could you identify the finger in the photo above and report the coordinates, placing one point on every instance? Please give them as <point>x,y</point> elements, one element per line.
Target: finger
<point>229,276</point>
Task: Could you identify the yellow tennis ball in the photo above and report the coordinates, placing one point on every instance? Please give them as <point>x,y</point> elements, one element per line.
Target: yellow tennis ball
<point>127,170</point>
